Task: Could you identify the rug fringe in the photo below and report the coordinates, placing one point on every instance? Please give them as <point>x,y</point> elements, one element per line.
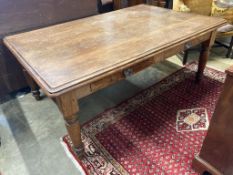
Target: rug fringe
<point>71,157</point>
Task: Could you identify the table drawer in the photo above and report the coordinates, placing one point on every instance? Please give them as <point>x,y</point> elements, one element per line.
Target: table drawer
<point>195,41</point>
<point>99,84</point>
<point>137,67</point>
<point>126,72</point>
<point>186,45</point>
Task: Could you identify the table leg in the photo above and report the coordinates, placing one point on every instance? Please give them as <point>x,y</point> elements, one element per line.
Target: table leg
<point>204,55</point>
<point>68,106</point>
<point>35,89</point>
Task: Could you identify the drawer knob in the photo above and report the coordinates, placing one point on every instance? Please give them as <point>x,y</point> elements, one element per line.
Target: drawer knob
<point>128,72</point>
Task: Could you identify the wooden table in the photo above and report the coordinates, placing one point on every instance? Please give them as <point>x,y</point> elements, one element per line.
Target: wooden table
<point>74,59</point>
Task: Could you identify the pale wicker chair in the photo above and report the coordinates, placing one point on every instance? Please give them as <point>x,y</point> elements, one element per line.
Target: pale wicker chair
<point>203,7</point>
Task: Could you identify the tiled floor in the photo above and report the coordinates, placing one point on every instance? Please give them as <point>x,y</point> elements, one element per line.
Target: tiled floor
<point>30,130</point>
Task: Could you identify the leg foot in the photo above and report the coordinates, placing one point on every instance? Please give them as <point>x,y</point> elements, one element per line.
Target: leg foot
<point>79,150</point>
<point>74,130</point>
<point>35,89</point>
<point>36,95</point>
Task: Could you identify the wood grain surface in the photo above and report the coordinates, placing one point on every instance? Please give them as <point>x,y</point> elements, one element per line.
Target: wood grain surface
<point>77,53</point>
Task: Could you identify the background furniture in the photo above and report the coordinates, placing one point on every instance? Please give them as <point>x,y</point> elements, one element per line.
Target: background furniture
<point>23,15</point>
<point>169,4</point>
<point>162,3</point>
<point>135,2</point>
<point>216,155</point>
<point>228,47</point>
<point>105,6</point>
<point>196,6</point>
<point>203,8</point>
<point>159,3</point>
<point>118,3</point>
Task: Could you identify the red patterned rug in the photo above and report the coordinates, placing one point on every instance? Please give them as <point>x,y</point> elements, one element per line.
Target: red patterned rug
<point>158,131</point>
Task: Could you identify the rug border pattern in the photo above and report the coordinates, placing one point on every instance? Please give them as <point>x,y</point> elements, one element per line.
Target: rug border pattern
<point>112,115</point>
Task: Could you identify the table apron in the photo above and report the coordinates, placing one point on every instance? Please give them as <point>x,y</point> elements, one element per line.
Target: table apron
<point>133,68</point>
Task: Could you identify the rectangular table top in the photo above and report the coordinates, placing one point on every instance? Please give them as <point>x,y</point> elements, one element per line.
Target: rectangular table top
<point>68,55</point>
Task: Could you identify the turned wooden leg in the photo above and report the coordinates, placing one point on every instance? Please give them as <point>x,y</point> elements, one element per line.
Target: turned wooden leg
<point>185,58</point>
<point>68,106</point>
<point>35,89</point>
<point>204,55</point>
<point>202,60</point>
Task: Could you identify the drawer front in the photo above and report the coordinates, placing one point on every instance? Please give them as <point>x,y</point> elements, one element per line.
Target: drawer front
<point>186,45</point>
<point>124,73</point>
<point>193,42</point>
<point>136,68</point>
<point>97,85</point>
